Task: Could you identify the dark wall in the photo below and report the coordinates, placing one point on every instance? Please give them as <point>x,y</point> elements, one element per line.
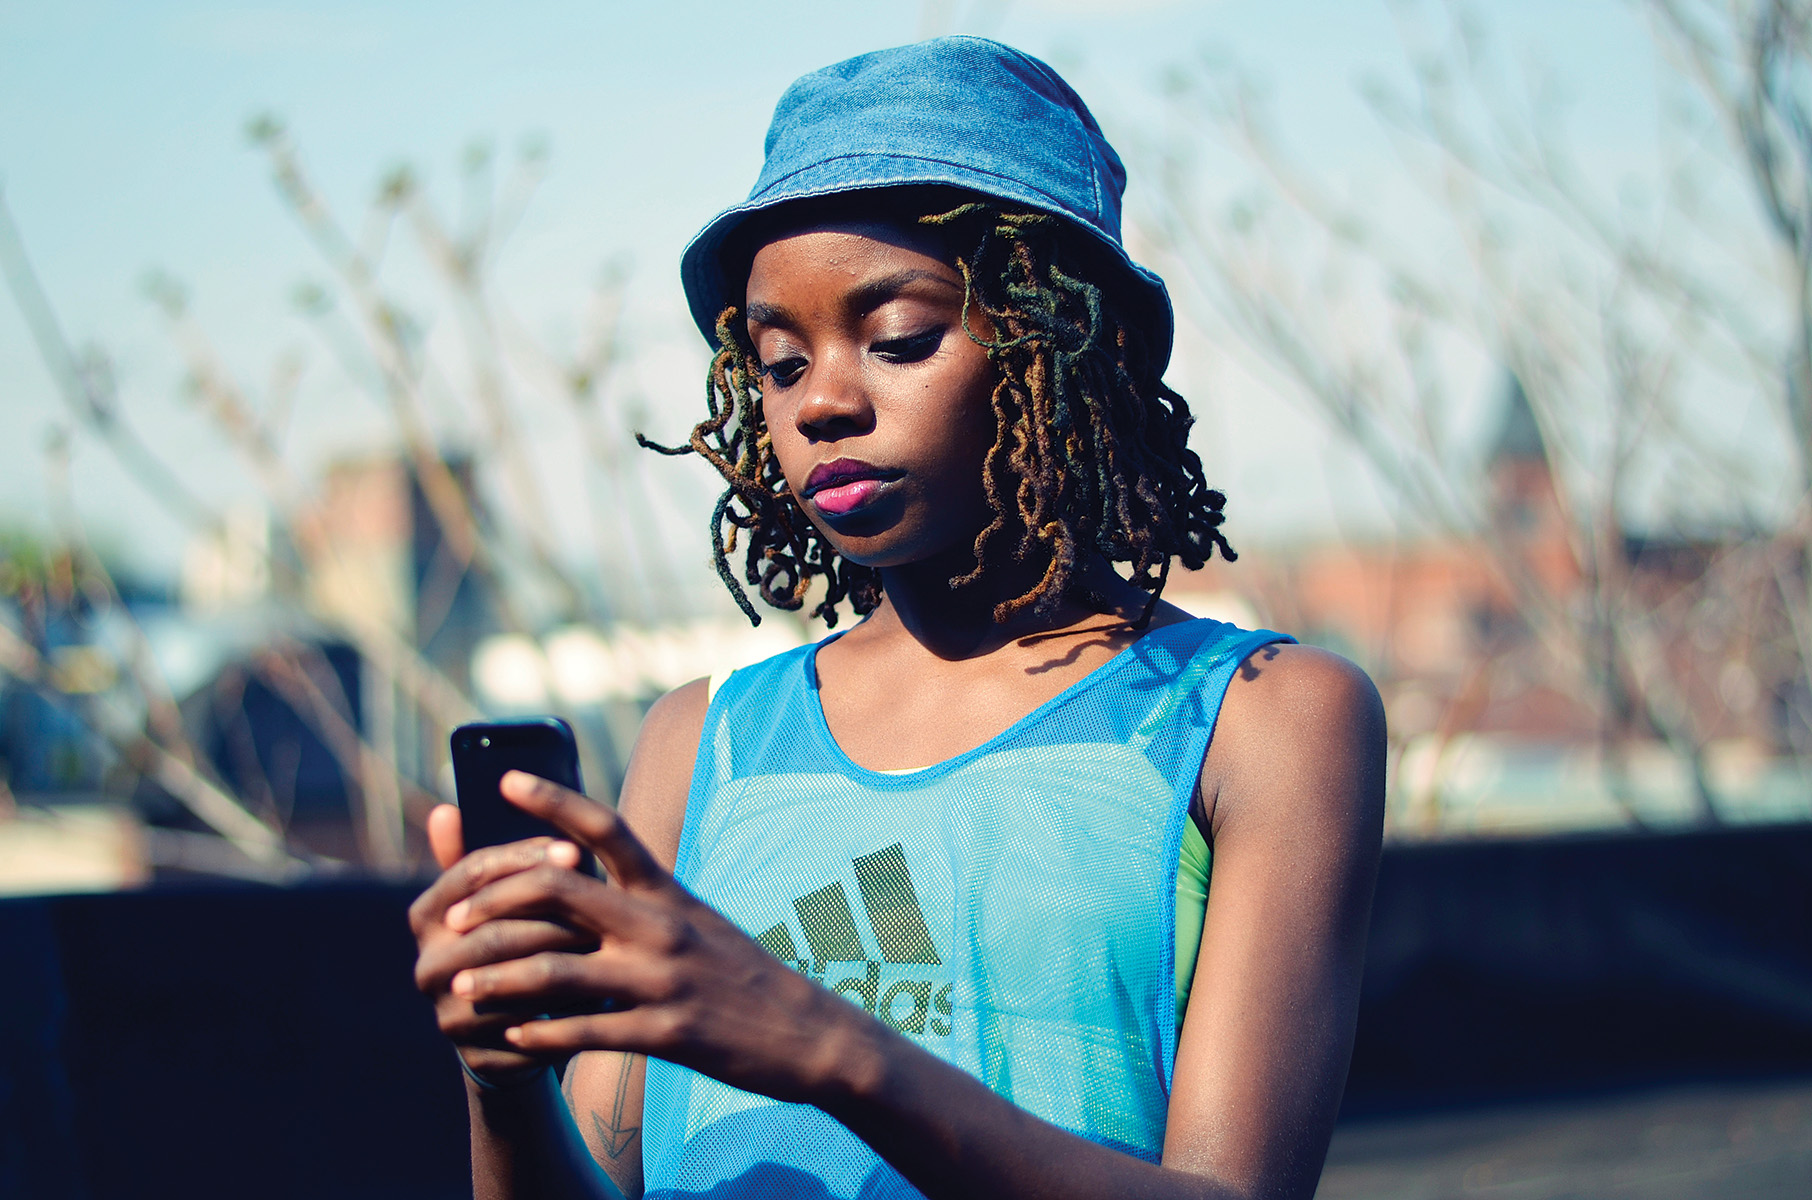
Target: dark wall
<point>242,1042</point>
<point>263,1042</point>
<point>1497,969</point>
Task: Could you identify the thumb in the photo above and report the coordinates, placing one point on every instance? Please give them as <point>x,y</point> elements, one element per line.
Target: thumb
<point>446,835</point>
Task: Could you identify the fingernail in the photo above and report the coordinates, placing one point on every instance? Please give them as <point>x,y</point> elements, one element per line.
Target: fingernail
<point>513,1035</point>
<point>564,854</point>
<point>456,916</point>
<point>463,984</point>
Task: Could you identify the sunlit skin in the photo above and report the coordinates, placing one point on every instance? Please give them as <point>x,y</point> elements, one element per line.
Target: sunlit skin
<point>866,367</point>
<point>859,329</point>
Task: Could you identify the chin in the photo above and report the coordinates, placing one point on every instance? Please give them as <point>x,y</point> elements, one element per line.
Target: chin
<point>869,539</point>
<point>954,556</point>
<point>874,558</point>
<point>879,540</point>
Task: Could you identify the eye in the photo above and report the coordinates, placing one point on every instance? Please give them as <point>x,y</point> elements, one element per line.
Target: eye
<point>784,373</point>
<point>916,348</point>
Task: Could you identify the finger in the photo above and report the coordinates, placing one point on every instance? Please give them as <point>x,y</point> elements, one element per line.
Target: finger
<point>639,1030</point>
<point>494,942</point>
<point>540,982</point>
<point>594,825</point>
<point>446,837</point>
<point>479,868</point>
<point>543,982</point>
<point>484,1024</point>
<point>562,895</point>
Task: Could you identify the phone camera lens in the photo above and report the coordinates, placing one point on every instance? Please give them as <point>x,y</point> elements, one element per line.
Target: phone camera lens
<point>485,741</point>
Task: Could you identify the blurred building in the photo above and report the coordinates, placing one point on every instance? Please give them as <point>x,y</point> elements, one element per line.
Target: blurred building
<point>1482,648</point>
<point>394,562</point>
<point>275,701</point>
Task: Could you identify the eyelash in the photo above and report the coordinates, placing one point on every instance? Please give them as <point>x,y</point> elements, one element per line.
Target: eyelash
<point>916,348</point>
<point>904,350</point>
<point>773,371</point>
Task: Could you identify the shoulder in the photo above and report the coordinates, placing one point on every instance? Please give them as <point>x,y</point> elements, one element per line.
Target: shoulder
<point>1285,684</point>
<point>659,775</point>
<point>1300,738</point>
<point>676,719</point>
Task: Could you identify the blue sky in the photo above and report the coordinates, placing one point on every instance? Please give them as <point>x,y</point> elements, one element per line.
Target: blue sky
<point>123,150</point>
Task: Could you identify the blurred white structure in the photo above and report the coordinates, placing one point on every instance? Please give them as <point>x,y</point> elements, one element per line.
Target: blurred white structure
<point>230,567</point>
<point>78,848</point>
<point>581,666</point>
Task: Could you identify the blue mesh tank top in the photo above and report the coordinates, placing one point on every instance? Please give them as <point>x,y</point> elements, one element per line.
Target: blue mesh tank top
<point>1010,909</point>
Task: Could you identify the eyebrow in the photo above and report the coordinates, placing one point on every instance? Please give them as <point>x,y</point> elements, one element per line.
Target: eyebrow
<point>864,298</point>
<point>877,292</point>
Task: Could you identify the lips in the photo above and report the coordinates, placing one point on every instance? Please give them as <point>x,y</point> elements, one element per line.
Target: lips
<point>846,484</point>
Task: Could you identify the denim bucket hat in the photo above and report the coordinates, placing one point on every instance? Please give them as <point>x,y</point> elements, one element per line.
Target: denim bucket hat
<point>964,112</point>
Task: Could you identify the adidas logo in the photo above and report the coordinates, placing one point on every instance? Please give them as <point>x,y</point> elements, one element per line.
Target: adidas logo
<point>907,1004</point>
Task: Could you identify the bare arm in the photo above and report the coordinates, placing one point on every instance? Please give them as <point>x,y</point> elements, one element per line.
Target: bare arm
<point>1294,790</point>
<point>604,1088</point>
<point>521,1142</point>
<point>524,1143</point>
<point>1295,783</point>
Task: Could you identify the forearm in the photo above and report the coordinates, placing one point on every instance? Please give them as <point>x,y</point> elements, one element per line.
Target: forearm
<point>524,1145</point>
<point>952,1137</point>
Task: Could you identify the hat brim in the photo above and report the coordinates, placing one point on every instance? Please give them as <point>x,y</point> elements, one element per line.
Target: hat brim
<point>709,291</point>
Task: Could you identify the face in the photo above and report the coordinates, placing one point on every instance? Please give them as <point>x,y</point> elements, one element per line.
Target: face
<point>877,400</point>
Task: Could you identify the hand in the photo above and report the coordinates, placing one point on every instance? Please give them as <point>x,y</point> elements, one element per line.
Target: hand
<point>477,1031</point>
<point>689,986</point>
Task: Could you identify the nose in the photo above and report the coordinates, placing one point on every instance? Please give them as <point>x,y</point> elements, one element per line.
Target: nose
<point>836,402</point>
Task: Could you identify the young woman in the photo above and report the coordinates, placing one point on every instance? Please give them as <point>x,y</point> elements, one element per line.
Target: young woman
<point>920,909</point>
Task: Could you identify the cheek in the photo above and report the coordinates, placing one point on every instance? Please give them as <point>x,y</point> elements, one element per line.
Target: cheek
<point>966,436</point>
<point>777,420</point>
<point>978,414</point>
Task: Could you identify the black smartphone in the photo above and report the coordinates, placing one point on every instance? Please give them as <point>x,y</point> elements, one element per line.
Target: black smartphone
<point>483,753</point>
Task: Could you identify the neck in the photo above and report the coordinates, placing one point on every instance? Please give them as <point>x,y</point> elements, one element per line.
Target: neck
<point>955,623</point>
